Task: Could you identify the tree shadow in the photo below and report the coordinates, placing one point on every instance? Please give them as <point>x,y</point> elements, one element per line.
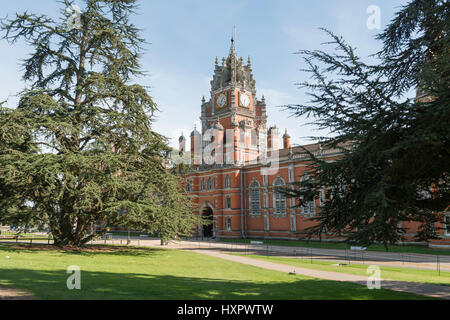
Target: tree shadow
<point>52,285</point>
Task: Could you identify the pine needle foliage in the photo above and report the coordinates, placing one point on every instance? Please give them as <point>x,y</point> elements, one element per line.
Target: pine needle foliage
<point>395,160</point>
<point>79,149</point>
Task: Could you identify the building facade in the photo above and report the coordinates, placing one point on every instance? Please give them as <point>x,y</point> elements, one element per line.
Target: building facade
<point>237,164</point>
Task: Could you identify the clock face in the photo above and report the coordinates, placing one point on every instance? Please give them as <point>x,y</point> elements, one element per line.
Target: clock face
<point>244,100</point>
<point>221,100</point>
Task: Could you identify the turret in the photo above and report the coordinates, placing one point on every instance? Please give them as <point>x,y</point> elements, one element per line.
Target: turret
<point>182,143</point>
<point>272,138</point>
<point>196,147</point>
<point>286,140</point>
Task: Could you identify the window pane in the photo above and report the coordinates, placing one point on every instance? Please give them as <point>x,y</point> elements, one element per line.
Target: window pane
<point>255,201</point>
<point>447,225</point>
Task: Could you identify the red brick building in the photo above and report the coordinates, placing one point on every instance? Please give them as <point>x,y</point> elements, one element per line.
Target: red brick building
<point>237,164</point>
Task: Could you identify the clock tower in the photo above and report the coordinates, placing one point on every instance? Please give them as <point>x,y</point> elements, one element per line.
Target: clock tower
<point>233,107</point>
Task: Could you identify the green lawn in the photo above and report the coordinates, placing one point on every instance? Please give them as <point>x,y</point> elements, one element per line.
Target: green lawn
<point>342,246</point>
<point>164,274</point>
<point>392,273</point>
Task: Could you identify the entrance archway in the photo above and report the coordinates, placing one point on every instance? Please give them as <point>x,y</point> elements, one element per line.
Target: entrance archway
<point>208,229</point>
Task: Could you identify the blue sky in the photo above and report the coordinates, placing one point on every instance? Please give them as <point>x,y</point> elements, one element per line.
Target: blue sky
<point>185,36</point>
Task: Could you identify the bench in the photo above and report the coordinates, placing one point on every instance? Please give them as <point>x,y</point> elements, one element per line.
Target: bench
<point>358,248</point>
<point>256,242</point>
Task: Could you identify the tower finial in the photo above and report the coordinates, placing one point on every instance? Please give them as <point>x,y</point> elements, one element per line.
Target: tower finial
<point>233,39</point>
<point>233,58</point>
<point>233,36</point>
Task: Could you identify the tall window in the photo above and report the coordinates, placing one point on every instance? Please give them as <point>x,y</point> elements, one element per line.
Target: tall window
<point>447,225</point>
<point>203,185</point>
<point>227,203</point>
<point>431,227</point>
<point>255,198</point>
<point>227,182</point>
<point>228,223</point>
<point>279,198</point>
<point>209,184</point>
<point>215,183</point>
<point>323,196</point>
<point>308,207</point>
<point>188,186</point>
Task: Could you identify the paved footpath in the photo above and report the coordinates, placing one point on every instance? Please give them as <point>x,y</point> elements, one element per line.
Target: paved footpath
<point>431,290</point>
<point>436,291</point>
<point>7,293</point>
<point>388,259</point>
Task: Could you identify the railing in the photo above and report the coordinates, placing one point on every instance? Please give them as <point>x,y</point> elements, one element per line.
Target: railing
<point>310,254</point>
<point>26,239</point>
<point>344,256</point>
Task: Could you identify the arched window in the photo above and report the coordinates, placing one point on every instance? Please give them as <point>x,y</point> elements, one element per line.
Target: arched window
<point>279,199</point>
<point>255,198</point>
<point>227,203</point>
<point>308,207</point>
<point>188,186</point>
<point>227,182</point>
<point>228,223</point>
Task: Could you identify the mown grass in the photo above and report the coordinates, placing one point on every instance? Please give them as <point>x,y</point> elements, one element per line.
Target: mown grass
<point>136,274</point>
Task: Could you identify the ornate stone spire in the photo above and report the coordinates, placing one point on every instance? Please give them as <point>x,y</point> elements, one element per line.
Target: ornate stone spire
<point>233,48</point>
<point>233,73</point>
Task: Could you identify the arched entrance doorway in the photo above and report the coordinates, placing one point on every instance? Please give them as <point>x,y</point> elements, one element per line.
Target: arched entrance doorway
<point>208,229</point>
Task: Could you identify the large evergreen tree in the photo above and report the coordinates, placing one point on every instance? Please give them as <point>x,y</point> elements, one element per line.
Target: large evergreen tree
<point>79,149</point>
<point>395,161</point>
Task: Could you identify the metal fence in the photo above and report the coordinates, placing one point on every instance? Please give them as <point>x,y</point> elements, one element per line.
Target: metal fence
<point>305,253</point>
<point>344,256</point>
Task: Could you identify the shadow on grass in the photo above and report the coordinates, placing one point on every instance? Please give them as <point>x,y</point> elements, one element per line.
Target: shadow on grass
<point>51,285</point>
